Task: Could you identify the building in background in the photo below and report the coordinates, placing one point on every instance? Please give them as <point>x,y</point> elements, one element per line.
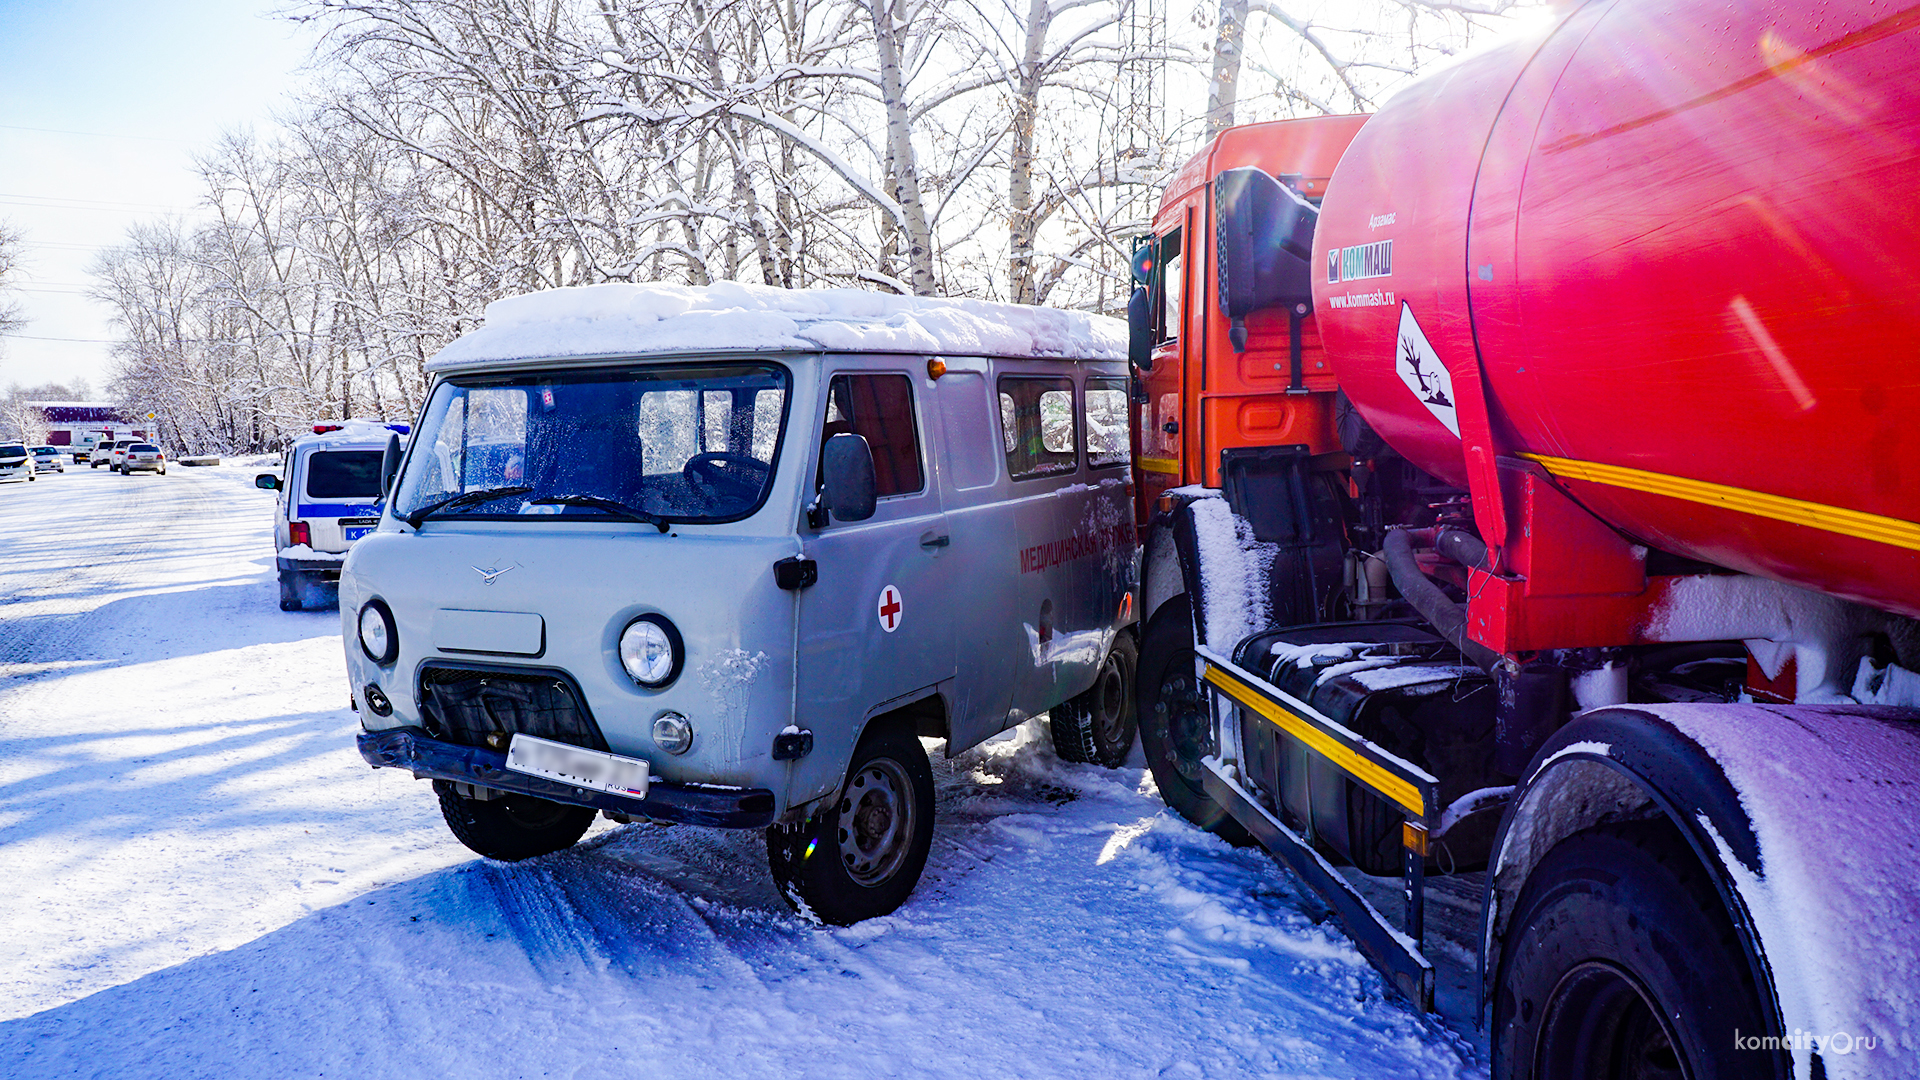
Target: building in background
<point>79,424</point>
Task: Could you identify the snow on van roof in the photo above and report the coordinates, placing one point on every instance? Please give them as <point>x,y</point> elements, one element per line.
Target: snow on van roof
<point>599,320</point>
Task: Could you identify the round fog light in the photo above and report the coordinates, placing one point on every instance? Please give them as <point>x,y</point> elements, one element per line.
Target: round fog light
<point>377,701</point>
<point>672,733</point>
<point>650,651</point>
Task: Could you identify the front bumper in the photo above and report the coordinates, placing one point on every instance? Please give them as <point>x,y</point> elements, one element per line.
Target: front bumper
<point>687,804</point>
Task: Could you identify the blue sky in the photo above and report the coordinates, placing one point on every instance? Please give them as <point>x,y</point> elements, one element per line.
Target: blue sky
<point>102,102</point>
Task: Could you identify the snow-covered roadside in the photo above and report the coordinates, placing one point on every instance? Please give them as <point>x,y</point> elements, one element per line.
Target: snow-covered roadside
<point>202,879</point>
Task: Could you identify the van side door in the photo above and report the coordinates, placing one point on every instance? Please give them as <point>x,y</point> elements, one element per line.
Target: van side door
<point>876,625</point>
<point>982,562</point>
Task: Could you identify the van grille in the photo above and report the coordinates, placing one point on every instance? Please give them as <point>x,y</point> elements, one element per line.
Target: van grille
<point>464,703</point>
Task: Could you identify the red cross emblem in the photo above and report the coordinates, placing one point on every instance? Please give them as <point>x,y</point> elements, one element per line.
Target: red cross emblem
<point>889,609</point>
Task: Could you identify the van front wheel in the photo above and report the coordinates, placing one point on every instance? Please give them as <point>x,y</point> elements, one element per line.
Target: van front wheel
<point>1097,725</point>
<point>860,856</point>
<point>512,827</point>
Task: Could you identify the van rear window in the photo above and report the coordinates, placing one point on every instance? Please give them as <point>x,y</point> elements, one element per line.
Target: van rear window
<point>344,474</point>
<point>1107,422</point>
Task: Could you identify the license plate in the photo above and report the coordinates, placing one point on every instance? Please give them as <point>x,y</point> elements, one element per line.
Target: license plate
<point>577,766</point>
<point>352,529</point>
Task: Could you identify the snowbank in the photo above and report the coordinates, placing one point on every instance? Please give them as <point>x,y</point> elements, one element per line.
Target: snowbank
<point>619,318</point>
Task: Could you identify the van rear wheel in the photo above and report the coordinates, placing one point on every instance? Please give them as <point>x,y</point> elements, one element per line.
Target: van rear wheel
<point>860,856</point>
<point>512,827</point>
<point>1097,724</point>
<point>289,591</point>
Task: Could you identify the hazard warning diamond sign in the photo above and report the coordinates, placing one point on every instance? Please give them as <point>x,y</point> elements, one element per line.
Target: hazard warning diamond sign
<point>889,609</point>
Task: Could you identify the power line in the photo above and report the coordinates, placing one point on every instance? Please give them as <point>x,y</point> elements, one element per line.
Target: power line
<point>90,134</point>
<point>53,203</point>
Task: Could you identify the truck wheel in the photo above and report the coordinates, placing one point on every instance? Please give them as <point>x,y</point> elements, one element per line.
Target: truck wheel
<point>289,592</point>
<point>1176,730</point>
<point>860,856</point>
<point>1621,963</point>
<point>1097,724</point>
<point>512,827</point>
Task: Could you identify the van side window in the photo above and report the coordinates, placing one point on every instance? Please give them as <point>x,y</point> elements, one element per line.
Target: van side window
<point>1037,426</point>
<point>1106,422</point>
<point>880,409</point>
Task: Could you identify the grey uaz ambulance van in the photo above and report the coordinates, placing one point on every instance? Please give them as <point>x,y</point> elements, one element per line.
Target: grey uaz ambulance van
<point>722,556</point>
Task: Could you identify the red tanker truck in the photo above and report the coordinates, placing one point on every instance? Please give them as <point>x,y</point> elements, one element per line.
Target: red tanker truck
<point>1529,484</point>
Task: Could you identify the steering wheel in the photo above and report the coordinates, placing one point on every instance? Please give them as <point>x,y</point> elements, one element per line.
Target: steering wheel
<point>717,468</point>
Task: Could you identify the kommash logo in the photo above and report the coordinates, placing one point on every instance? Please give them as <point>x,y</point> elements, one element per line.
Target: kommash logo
<point>1360,262</point>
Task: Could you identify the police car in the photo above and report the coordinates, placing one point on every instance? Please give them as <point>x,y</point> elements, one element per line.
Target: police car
<point>723,556</point>
<point>329,497</point>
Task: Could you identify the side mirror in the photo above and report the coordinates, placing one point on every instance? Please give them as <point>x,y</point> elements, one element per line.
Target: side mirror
<point>1140,329</point>
<point>848,472</point>
<point>389,465</point>
<point>1263,235</point>
<point>268,481</point>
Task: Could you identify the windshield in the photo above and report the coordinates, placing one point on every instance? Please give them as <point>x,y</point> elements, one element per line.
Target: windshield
<point>685,444</point>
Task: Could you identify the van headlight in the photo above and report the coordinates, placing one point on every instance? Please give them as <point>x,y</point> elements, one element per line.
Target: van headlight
<point>378,638</point>
<point>651,651</point>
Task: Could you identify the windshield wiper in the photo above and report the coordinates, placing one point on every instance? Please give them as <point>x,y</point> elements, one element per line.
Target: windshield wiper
<point>454,502</point>
<point>610,506</point>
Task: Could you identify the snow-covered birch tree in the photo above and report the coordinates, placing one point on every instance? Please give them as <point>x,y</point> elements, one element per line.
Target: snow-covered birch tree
<point>10,320</point>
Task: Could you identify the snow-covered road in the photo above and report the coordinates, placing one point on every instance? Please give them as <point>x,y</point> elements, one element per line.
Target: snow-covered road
<point>199,878</point>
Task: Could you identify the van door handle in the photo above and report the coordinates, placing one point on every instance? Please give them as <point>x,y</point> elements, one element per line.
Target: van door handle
<point>929,540</point>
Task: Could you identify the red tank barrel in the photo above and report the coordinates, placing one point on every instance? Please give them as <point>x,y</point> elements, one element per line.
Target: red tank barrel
<point>1677,244</point>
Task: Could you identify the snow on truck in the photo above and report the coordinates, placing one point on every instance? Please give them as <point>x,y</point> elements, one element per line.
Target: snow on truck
<point>1527,484</point>
<point>721,556</point>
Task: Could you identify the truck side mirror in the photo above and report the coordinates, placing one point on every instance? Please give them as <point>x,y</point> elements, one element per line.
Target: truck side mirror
<point>849,480</point>
<point>1140,329</point>
<point>1263,236</point>
<point>268,481</point>
<point>389,465</point>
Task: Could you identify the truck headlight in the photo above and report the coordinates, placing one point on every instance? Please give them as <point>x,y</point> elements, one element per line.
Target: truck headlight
<point>378,638</point>
<point>651,651</point>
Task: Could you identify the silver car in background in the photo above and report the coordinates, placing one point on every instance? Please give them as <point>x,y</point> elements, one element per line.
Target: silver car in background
<point>47,459</point>
<point>142,457</point>
<point>727,565</point>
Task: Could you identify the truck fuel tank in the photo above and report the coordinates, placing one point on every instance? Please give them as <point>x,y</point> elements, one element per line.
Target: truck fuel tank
<point>1674,242</point>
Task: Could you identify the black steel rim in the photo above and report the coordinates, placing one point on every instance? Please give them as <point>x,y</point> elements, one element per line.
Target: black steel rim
<point>1601,1024</point>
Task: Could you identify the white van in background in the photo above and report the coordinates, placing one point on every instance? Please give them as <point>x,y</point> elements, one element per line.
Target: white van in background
<point>329,488</point>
